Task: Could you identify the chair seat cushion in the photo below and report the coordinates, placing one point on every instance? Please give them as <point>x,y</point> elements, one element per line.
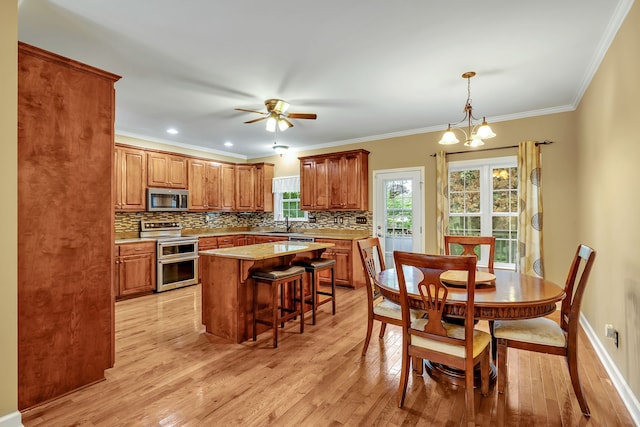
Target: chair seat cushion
<point>387,308</point>
<point>481,339</point>
<point>278,273</point>
<point>316,263</point>
<point>540,330</point>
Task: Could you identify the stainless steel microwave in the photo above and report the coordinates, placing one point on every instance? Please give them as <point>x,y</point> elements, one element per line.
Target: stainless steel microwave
<point>167,199</point>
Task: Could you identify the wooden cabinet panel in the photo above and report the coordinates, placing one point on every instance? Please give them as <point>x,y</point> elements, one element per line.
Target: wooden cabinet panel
<point>136,264</point>
<point>65,250</point>
<point>336,181</point>
<point>197,185</point>
<point>245,188</point>
<point>226,241</point>
<point>264,187</point>
<point>243,240</point>
<point>314,185</point>
<point>166,170</point>
<point>130,170</point>
<point>267,239</point>
<point>227,187</point>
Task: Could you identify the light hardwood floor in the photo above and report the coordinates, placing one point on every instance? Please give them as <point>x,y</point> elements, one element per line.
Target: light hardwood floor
<point>169,373</point>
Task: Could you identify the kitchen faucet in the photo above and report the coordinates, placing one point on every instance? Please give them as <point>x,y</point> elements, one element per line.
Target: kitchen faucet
<point>287,225</point>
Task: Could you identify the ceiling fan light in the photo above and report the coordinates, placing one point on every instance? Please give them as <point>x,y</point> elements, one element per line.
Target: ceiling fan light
<point>283,125</point>
<point>280,148</point>
<point>484,131</point>
<point>448,137</point>
<point>271,124</point>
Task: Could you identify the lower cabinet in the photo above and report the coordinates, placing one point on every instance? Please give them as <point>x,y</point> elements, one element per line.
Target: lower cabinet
<point>135,268</point>
<point>243,240</point>
<point>348,270</point>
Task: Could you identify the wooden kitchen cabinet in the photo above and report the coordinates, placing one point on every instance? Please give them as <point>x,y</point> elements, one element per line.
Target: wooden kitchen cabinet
<point>226,241</point>
<point>264,187</point>
<point>166,170</point>
<point>130,170</point>
<point>227,187</point>
<point>348,181</point>
<point>205,179</point>
<point>266,239</point>
<point>65,210</point>
<point>335,181</point>
<point>348,269</point>
<point>243,240</point>
<point>135,268</point>
<point>254,184</point>
<point>314,185</point>
<point>245,188</point>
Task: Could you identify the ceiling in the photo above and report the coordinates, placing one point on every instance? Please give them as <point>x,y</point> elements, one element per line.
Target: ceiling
<point>369,68</point>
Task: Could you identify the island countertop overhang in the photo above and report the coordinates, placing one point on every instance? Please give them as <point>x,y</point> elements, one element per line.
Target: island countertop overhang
<point>268,250</point>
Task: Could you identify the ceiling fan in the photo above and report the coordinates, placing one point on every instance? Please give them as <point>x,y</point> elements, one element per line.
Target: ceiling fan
<point>277,115</point>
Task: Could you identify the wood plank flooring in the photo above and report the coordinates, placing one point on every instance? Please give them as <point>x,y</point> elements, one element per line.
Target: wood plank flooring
<point>168,373</point>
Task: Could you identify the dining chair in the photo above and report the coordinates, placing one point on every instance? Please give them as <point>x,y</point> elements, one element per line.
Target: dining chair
<point>457,346</point>
<point>379,308</point>
<point>544,335</point>
<point>469,244</point>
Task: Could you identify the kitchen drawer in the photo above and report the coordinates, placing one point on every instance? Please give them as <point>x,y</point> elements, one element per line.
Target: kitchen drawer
<point>226,241</point>
<point>205,243</point>
<point>137,248</point>
<point>339,244</point>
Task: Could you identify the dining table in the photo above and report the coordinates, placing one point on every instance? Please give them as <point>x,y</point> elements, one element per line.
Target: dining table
<point>510,296</point>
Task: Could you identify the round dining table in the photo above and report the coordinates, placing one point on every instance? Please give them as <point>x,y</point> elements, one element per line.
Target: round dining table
<point>510,296</point>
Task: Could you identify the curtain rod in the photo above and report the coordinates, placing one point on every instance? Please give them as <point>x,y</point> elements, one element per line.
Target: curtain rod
<point>545,142</point>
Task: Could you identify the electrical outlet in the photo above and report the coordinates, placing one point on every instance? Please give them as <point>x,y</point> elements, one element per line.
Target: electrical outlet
<point>361,220</point>
<point>312,219</point>
<point>341,220</point>
<point>609,331</point>
<point>335,219</point>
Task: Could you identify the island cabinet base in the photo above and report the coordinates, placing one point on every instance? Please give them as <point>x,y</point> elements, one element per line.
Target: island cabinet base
<point>227,296</point>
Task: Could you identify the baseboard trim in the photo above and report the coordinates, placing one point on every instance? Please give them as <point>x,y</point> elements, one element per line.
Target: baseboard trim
<point>627,396</point>
<point>14,419</point>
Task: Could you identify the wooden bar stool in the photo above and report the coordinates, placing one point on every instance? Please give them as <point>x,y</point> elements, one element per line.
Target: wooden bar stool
<point>279,278</point>
<point>313,266</point>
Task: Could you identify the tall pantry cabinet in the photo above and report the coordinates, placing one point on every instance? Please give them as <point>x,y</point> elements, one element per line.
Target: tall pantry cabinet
<point>65,225</point>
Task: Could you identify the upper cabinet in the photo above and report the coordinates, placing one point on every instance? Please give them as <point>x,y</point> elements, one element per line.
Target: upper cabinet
<point>245,188</point>
<point>254,183</point>
<point>264,187</point>
<point>335,181</point>
<point>130,178</point>
<point>166,170</point>
<point>314,185</point>
<point>212,185</point>
<point>205,178</point>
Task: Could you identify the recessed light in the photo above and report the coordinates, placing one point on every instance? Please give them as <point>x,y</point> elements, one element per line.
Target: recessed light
<point>172,131</point>
<point>228,144</point>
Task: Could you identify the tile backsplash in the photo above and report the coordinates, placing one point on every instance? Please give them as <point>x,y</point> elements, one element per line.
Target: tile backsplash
<point>128,222</point>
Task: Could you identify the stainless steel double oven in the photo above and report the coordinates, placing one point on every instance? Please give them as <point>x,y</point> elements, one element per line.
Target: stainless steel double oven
<point>176,255</point>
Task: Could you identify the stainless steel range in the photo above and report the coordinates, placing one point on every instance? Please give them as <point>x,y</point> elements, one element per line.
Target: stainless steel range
<point>176,255</point>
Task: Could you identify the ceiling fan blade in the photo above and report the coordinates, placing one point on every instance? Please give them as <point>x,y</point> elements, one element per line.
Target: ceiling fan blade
<point>302,116</point>
<point>256,120</point>
<point>251,111</point>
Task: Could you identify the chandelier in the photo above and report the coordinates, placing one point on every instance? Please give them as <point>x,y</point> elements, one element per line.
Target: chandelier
<point>474,133</point>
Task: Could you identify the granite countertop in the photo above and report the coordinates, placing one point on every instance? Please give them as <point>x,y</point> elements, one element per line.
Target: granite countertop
<point>265,250</point>
<point>326,233</point>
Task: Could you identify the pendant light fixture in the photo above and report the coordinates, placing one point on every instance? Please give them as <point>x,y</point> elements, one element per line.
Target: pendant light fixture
<point>474,133</point>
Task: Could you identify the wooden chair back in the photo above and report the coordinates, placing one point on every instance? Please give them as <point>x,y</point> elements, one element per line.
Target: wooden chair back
<point>434,293</point>
<point>574,288</point>
<point>469,244</point>
<point>372,261</point>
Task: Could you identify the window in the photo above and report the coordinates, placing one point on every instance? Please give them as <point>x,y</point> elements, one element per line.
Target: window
<point>286,199</point>
<point>483,201</point>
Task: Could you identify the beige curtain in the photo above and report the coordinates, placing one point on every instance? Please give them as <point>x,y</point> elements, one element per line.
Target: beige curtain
<point>530,218</point>
<point>442,200</point>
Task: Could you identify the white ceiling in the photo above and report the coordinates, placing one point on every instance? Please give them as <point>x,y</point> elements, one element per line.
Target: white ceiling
<point>368,68</point>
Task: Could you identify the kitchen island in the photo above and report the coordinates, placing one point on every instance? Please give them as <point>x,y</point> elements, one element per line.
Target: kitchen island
<point>227,299</point>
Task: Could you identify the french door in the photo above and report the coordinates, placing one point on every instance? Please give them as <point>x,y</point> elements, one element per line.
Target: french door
<point>398,211</point>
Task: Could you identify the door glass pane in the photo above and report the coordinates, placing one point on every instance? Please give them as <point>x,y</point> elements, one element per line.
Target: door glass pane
<point>399,217</point>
